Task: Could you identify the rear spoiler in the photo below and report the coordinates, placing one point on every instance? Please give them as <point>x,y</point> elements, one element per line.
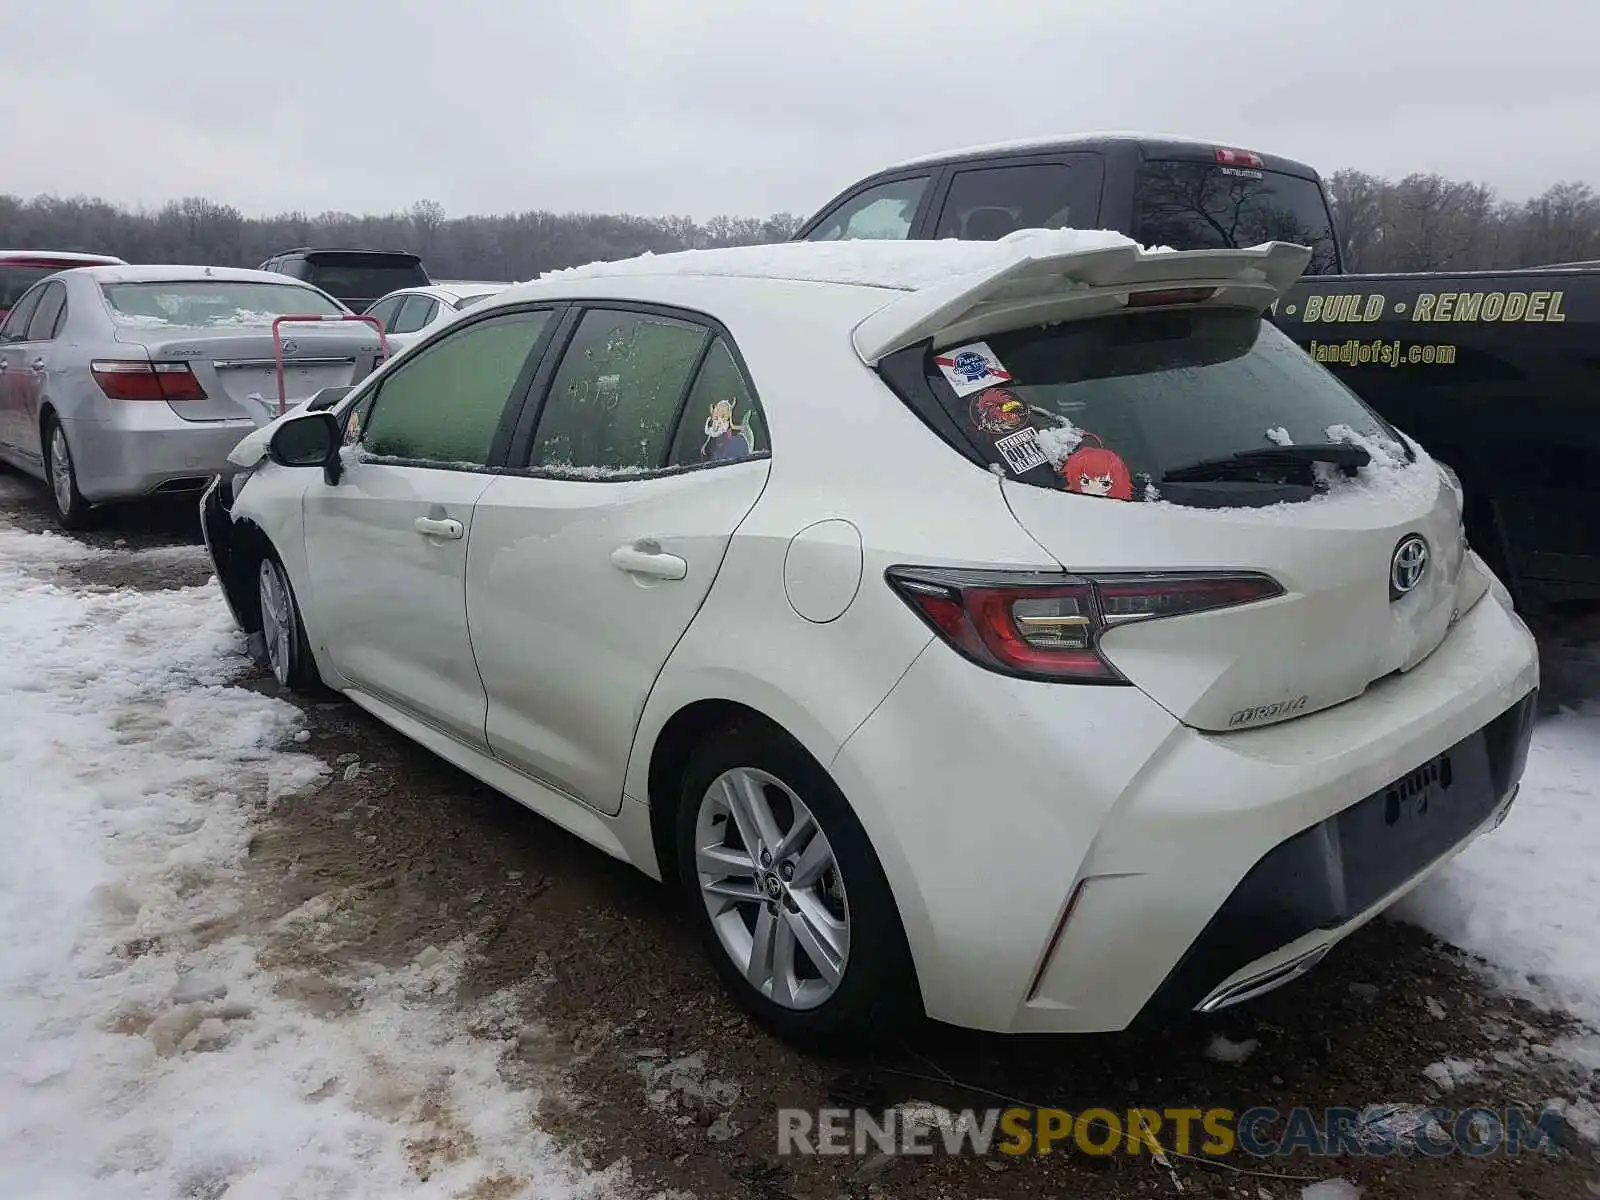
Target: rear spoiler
<point>1036,288</point>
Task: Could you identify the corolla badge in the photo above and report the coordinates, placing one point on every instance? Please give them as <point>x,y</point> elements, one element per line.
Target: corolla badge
<point>1408,566</point>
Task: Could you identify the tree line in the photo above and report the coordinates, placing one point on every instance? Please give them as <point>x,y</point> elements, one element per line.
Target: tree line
<point>1423,222</point>
<point>511,247</point>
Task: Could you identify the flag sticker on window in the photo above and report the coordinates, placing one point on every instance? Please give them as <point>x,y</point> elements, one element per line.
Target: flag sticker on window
<point>971,367</point>
<point>1022,451</point>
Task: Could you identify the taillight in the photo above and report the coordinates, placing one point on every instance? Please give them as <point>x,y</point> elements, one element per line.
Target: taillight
<point>130,379</point>
<point>1237,158</point>
<point>1041,625</point>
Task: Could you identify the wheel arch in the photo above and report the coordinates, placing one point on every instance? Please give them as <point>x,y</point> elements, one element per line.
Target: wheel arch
<point>670,753</point>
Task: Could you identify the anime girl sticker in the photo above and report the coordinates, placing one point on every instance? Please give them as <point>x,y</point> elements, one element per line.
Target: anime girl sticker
<point>998,410</point>
<point>1096,471</point>
<point>726,436</point>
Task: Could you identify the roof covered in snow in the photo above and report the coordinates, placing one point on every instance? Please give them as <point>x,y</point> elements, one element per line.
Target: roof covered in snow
<point>901,265</point>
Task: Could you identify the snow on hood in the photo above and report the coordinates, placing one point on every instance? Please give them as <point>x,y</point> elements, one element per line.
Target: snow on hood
<point>905,265</point>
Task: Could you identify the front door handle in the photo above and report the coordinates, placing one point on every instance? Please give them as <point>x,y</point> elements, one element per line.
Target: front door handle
<point>647,558</point>
<point>440,527</point>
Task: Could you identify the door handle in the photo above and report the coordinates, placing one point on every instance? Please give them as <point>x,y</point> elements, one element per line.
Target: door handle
<point>38,366</point>
<point>440,527</point>
<point>647,558</point>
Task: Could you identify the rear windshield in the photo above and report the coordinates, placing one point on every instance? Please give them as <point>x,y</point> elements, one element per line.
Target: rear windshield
<point>1116,406</point>
<point>1205,206</point>
<point>202,302</point>
<point>16,280</point>
<point>364,276</point>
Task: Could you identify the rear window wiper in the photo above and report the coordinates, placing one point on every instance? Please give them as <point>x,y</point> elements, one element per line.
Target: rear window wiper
<point>1346,457</point>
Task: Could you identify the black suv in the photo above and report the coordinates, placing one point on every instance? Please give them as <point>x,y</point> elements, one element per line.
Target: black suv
<point>354,277</point>
<point>1157,190</point>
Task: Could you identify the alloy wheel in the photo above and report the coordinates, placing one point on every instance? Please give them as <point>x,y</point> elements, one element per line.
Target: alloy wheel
<point>61,482</point>
<point>277,619</point>
<point>772,887</point>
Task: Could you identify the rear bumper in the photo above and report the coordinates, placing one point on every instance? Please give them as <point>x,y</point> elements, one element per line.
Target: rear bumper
<point>1066,859</point>
<point>1325,882</point>
<point>149,450</point>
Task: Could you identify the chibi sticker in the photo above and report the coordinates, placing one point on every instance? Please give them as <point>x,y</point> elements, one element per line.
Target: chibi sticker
<point>998,410</point>
<point>1022,450</point>
<point>1096,471</point>
<point>971,367</point>
<point>726,436</point>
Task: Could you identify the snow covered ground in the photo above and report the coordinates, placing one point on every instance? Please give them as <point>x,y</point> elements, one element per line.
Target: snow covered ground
<point>148,1049</point>
<point>144,1051</point>
<point>1527,897</point>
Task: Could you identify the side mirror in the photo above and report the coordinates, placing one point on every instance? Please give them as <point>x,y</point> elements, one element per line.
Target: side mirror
<point>327,397</point>
<point>310,440</point>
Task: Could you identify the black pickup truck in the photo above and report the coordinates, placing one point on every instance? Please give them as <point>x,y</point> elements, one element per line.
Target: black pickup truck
<point>1491,371</point>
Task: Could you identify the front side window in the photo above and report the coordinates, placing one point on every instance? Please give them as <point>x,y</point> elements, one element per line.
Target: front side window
<point>616,394</point>
<point>210,303</point>
<point>444,405</point>
<point>723,421</point>
<point>883,213</point>
<point>987,204</point>
<point>1207,206</point>
<point>15,280</point>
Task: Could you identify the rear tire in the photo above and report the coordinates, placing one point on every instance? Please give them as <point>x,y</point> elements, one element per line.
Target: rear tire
<point>802,926</point>
<point>71,510</point>
<point>285,649</point>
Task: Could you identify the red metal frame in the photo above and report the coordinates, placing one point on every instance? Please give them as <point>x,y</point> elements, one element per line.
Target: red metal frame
<point>314,319</point>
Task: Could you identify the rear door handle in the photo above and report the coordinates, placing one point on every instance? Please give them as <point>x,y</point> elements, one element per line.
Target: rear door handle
<point>440,527</point>
<point>38,365</point>
<point>647,558</point>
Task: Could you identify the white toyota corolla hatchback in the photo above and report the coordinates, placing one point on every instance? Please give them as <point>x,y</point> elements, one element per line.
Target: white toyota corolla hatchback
<point>1026,632</point>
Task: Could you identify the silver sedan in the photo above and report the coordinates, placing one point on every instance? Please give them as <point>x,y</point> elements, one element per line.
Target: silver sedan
<point>118,382</point>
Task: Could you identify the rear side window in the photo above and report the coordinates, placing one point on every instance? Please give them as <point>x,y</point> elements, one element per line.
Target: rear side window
<point>14,281</point>
<point>385,311</point>
<point>1206,206</point>
<point>987,204</point>
<point>884,213</point>
<point>616,394</point>
<point>15,328</point>
<point>212,302</point>
<point>723,421</point>
<point>416,312</point>
<point>46,319</point>
<point>1128,406</point>
<point>444,405</point>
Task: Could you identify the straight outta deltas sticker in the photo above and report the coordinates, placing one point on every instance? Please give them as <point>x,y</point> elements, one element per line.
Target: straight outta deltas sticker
<point>1022,451</point>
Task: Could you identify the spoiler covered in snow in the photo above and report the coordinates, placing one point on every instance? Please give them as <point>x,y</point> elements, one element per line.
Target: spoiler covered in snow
<point>1034,288</point>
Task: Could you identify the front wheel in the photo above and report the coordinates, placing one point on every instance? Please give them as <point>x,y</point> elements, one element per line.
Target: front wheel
<point>287,650</point>
<point>71,509</point>
<point>792,904</point>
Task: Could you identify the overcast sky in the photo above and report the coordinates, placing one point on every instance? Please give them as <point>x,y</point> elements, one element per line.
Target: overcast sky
<point>708,106</point>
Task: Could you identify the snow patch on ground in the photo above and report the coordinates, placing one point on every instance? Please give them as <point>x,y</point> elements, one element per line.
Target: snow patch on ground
<point>144,1051</point>
<point>1222,1050</point>
<point>1523,898</point>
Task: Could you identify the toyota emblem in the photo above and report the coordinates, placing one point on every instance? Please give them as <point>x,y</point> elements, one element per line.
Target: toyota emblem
<point>1408,566</point>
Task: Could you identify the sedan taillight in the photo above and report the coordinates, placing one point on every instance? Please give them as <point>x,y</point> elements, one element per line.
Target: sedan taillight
<point>131,379</point>
<point>1042,625</point>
